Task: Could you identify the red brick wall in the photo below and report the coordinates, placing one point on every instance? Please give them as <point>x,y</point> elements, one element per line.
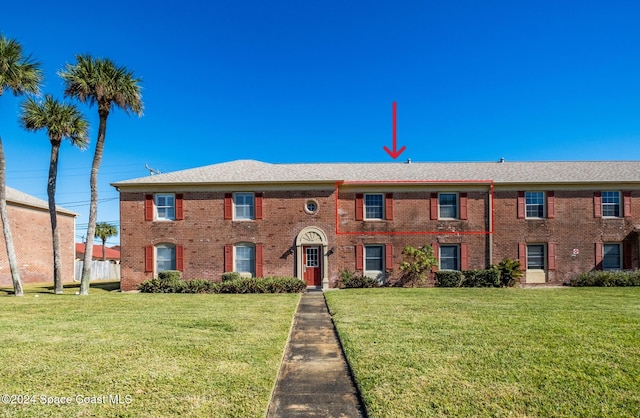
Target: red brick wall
<point>31,231</point>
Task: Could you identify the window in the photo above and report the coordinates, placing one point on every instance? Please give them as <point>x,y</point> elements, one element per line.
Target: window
<point>374,261</point>
<point>165,257</point>
<point>165,207</point>
<point>448,205</point>
<point>535,257</point>
<point>611,204</point>
<point>373,206</point>
<point>245,260</point>
<point>311,206</point>
<point>611,256</point>
<point>449,257</point>
<point>534,202</point>
<point>244,206</point>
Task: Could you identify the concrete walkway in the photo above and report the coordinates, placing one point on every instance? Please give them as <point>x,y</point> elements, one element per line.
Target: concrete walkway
<point>314,379</point>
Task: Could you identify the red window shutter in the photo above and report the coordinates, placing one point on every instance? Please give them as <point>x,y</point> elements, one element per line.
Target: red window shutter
<point>228,258</point>
<point>179,258</point>
<point>436,253</point>
<point>388,207</point>
<point>148,258</point>
<point>148,207</point>
<point>228,205</point>
<point>259,260</point>
<point>259,199</point>
<point>521,208</point>
<point>522,255</point>
<point>388,257</point>
<point>627,255</point>
<point>551,256</point>
<point>433,206</point>
<point>464,256</point>
<point>179,207</point>
<point>463,206</point>
<point>359,206</point>
<point>626,196</point>
<point>597,204</point>
<point>599,255</point>
<point>359,257</point>
<point>551,205</point>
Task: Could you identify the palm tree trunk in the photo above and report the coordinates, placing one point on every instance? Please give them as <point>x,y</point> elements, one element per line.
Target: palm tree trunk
<point>6,228</point>
<point>93,208</point>
<point>51,193</point>
<point>104,252</point>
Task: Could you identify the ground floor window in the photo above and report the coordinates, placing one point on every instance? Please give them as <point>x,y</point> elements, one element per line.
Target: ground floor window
<point>373,260</point>
<point>165,257</point>
<point>449,257</point>
<point>611,256</point>
<point>245,259</point>
<point>535,257</point>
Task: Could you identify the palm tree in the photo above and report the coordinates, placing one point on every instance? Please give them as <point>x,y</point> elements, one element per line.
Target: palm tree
<point>60,121</point>
<point>105,231</point>
<point>102,82</point>
<point>21,75</point>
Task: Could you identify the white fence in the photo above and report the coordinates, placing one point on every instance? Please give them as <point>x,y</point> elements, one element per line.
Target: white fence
<point>100,270</point>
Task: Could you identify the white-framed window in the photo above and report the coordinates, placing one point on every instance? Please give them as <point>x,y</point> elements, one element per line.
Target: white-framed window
<point>449,257</point>
<point>165,257</point>
<point>374,206</point>
<point>374,261</point>
<point>448,205</point>
<point>534,202</point>
<point>245,259</point>
<point>244,206</point>
<point>535,257</point>
<point>612,256</point>
<point>165,206</point>
<point>611,204</point>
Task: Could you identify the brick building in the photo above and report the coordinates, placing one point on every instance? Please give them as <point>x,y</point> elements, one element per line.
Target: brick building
<point>313,220</point>
<point>31,231</point>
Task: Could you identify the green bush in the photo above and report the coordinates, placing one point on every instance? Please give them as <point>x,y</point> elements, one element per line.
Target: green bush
<point>480,278</point>
<point>448,278</point>
<point>230,275</point>
<point>607,278</point>
<point>509,271</point>
<point>242,285</point>
<point>350,280</point>
<point>170,275</point>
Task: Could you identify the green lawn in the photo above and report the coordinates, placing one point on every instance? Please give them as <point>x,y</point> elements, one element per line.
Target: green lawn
<point>164,355</point>
<point>493,352</point>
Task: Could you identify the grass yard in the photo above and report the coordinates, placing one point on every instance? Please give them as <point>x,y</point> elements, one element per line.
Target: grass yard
<point>164,355</point>
<point>493,352</point>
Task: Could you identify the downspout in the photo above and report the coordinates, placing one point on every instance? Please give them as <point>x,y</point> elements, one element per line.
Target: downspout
<point>491,222</point>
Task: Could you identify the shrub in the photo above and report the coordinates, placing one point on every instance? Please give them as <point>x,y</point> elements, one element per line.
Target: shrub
<point>162,286</point>
<point>170,275</point>
<point>480,278</point>
<point>350,280</point>
<point>607,278</point>
<point>231,275</point>
<point>448,278</point>
<point>509,272</point>
<point>417,265</point>
<point>242,285</point>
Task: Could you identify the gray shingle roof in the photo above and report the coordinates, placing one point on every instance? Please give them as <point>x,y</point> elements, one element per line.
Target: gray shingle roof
<point>251,171</point>
<point>16,196</point>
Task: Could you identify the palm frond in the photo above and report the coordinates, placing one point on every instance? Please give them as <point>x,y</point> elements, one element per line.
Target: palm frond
<point>18,73</point>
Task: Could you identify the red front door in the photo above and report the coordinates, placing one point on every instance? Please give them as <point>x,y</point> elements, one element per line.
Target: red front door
<point>311,266</point>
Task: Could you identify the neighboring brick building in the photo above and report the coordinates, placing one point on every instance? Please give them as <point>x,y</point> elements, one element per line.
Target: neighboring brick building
<point>31,231</point>
<point>313,220</point>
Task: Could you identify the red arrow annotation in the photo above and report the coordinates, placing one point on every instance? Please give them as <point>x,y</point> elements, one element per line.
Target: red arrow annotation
<point>395,153</point>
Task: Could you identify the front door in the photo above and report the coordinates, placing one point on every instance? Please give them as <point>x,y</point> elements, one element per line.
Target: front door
<point>311,266</point>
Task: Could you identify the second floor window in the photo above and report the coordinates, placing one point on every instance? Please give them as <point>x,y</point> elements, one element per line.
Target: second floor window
<point>244,206</point>
<point>611,204</point>
<point>165,207</point>
<point>448,205</point>
<point>534,202</point>
<point>373,206</point>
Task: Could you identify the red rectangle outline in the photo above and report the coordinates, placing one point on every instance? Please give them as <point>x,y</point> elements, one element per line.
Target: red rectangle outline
<point>484,232</point>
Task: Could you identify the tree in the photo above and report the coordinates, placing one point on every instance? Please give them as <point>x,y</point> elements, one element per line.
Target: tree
<point>21,75</point>
<point>61,121</point>
<point>419,263</point>
<point>102,82</point>
<point>105,231</point>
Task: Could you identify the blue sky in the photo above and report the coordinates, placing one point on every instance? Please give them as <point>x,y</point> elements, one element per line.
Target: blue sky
<point>296,81</point>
